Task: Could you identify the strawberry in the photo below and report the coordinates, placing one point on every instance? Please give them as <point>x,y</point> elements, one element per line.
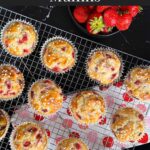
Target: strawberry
<point>107,29</point>
<point>144,139</point>
<point>124,22</point>
<point>108,141</point>
<point>110,17</point>
<point>134,10</point>
<point>81,14</point>
<point>95,23</point>
<point>91,7</point>
<point>100,9</point>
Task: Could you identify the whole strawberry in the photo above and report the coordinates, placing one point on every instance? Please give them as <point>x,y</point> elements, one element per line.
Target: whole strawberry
<point>134,10</point>
<point>100,9</point>
<point>124,22</point>
<point>110,17</point>
<point>95,23</point>
<point>81,14</point>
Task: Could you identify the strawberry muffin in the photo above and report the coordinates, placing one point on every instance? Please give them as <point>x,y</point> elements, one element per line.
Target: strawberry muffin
<point>71,144</point>
<point>58,55</point>
<point>45,97</point>
<point>87,102</point>
<point>28,136</point>
<point>11,82</point>
<point>19,38</point>
<point>4,123</point>
<point>138,83</point>
<point>128,124</point>
<point>104,66</point>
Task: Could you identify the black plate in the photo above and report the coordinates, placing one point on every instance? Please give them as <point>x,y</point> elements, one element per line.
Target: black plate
<point>83,28</point>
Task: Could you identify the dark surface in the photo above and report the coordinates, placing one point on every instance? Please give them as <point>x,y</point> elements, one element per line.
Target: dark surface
<point>135,41</point>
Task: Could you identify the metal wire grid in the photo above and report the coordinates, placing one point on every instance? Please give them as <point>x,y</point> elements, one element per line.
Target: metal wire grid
<point>33,70</point>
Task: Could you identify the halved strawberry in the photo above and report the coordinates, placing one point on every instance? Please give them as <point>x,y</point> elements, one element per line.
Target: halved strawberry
<point>100,9</point>
<point>124,22</point>
<point>108,141</point>
<point>110,17</point>
<point>81,14</point>
<point>24,39</point>
<point>95,23</point>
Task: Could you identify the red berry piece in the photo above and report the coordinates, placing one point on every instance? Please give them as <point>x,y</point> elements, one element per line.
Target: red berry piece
<point>103,88</point>
<point>124,22</point>
<point>102,121</point>
<point>6,43</point>
<point>39,136</point>
<point>110,17</point>
<point>69,112</point>
<point>33,129</point>
<point>132,141</point>
<point>118,84</point>
<point>74,134</point>
<point>1,91</point>
<point>77,146</point>
<point>137,82</point>
<point>108,141</point>
<point>144,139</point>
<point>38,117</point>
<point>26,144</point>
<point>113,76</point>
<point>84,127</point>
<point>63,48</point>
<point>44,110</point>
<point>48,133</point>
<point>81,14</point>
<point>47,81</point>
<point>64,98</point>
<point>141,117</point>
<point>56,69</point>
<point>26,50</point>
<point>24,39</point>
<point>73,54</point>
<point>127,98</point>
<point>134,10</point>
<point>32,94</point>
<point>8,84</point>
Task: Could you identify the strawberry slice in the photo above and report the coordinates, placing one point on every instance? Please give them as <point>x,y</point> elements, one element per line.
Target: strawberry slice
<point>69,112</point>
<point>102,121</point>
<point>8,84</point>
<point>38,117</point>
<point>77,146</point>
<point>144,139</point>
<point>48,133</point>
<point>108,141</point>
<point>26,144</point>
<point>127,98</point>
<point>118,84</point>
<point>26,50</point>
<point>56,69</point>
<point>74,134</point>
<point>24,39</point>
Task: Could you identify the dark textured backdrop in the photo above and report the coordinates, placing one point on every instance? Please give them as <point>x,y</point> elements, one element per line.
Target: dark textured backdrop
<point>135,41</point>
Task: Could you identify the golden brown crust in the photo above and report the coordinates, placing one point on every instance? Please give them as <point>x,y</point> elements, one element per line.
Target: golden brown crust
<point>11,82</point>
<point>104,66</point>
<point>127,124</point>
<point>19,38</point>
<point>138,83</point>
<point>59,55</point>
<point>87,107</point>
<point>71,144</point>
<point>29,136</point>
<point>45,97</point>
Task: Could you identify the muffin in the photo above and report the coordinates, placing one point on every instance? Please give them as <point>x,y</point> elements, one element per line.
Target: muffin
<point>11,82</point>
<point>104,66</point>
<point>71,144</point>
<point>19,38</point>
<point>138,83</point>
<point>128,124</point>
<point>87,107</point>
<point>58,55</point>
<point>28,136</point>
<point>4,123</point>
<point>45,97</point>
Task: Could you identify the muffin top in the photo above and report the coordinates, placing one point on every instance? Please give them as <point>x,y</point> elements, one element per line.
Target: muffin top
<point>45,97</point>
<point>87,107</point>
<point>127,124</point>
<point>11,82</point>
<point>3,123</point>
<point>71,144</point>
<point>29,136</point>
<point>19,38</point>
<point>104,66</point>
<point>138,83</point>
<point>58,55</point>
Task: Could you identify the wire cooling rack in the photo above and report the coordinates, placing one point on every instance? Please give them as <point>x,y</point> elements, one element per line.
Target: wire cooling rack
<point>33,70</point>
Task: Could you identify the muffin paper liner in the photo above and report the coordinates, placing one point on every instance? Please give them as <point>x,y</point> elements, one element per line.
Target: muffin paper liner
<point>43,50</point>
<point>23,84</point>
<point>8,123</point>
<point>15,129</point>
<point>6,26</point>
<point>84,124</point>
<point>68,138</point>
<point>110,50</point>
<point>128,142</point>
<point>128,73</point>
<point>29,100</point>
